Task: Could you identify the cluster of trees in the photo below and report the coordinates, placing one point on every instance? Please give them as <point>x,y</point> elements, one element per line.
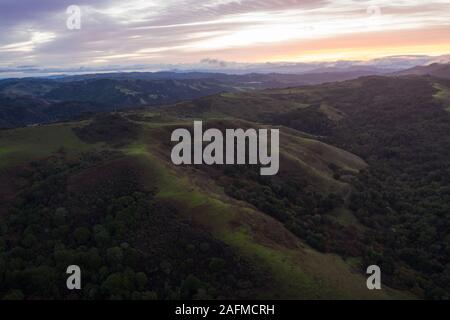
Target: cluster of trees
<point>111,128</point>
<point>308,119</point>
<point>404,199</point>
<point>93,212</point>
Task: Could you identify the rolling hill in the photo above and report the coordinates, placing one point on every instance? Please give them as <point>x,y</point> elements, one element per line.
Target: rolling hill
<point>439,70</point>
<point>363,180</point>
<point>191,236</point>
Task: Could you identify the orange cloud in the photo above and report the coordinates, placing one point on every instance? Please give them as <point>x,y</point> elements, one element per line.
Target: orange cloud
<point>358,46</point>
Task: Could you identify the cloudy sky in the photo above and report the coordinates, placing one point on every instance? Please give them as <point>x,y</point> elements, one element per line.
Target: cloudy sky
<point>34,33</point>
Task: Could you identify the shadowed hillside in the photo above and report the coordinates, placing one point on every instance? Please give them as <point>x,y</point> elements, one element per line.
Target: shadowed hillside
<point>363,180</point>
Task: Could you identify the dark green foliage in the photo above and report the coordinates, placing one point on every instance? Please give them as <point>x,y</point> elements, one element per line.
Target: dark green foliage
<point>110,128</point>
<point>309,119</point>
<point>19,111</point>
<point>403,197</point>
<point>94,213</point>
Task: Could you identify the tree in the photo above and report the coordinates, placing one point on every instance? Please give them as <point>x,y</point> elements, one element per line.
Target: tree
<point>82,235</point>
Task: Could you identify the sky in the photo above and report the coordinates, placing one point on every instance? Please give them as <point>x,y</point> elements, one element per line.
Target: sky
<point>35,34</point>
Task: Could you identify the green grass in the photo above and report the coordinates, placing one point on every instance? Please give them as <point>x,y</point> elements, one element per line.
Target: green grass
<point>346,218</point>
<point>443,96</point>
<point>332,113</point>
<point>314,157</point>
<point>24,144</point>
<point>287,276</point>
<point>5,150</point>
<point>171,186</point>
<point>229,95</point>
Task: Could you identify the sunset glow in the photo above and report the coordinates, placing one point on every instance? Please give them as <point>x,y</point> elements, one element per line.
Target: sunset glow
<point>187,31</point>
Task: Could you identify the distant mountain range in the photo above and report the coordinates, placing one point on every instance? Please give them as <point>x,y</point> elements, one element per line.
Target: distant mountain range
<point>38,100</point>
<point>381,65</point>
<point>28,101</point>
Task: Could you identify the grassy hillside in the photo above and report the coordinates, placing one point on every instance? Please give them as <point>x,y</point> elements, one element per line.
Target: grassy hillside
<point>363,180</point>
<point>273,263</point>
<point>401,128</point>
<point>443,96</point>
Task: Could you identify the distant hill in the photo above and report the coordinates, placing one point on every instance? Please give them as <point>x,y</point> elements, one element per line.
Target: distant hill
<point>435,69</point>
<point>19,111</point>
<point>40,100</point>
<point>252,80</point>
